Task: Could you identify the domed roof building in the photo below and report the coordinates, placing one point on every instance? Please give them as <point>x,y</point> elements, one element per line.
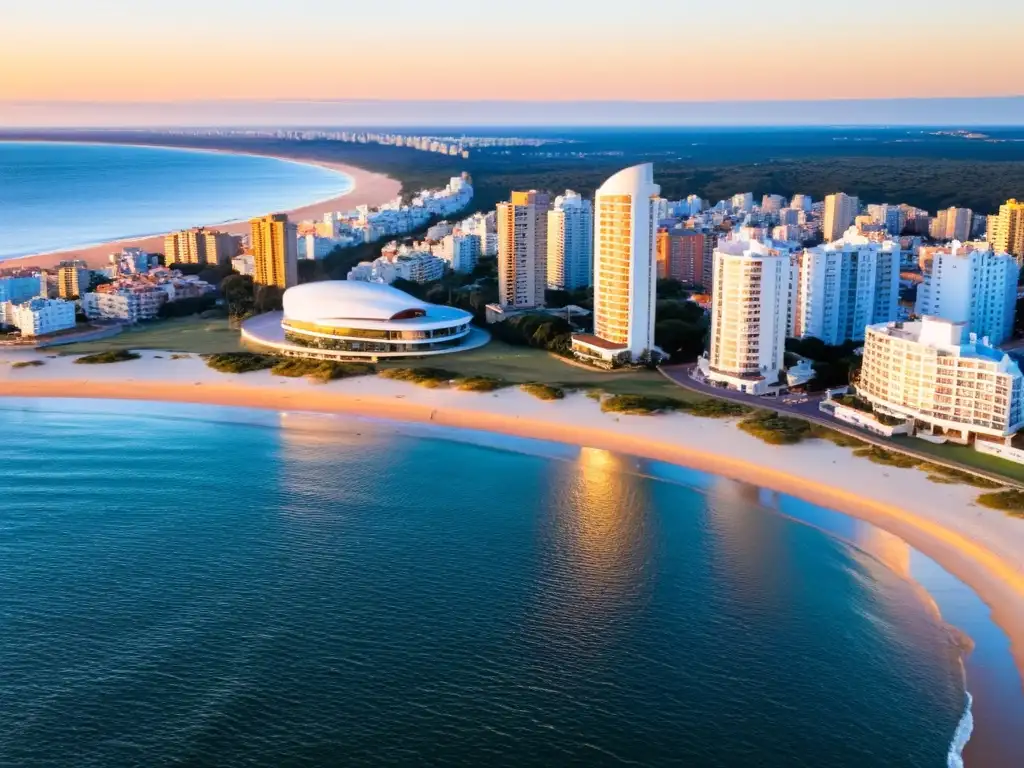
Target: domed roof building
<point>350,319</point>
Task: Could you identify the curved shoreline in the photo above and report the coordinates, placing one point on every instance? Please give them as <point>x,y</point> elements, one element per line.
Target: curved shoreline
<point>981,548</point>
<point>938,520</point>
<point>367,188</point>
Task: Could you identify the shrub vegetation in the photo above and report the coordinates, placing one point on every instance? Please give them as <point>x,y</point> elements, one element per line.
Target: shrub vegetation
<point>240,362</point>
<point>1009,501</point>
<point>320,370</point>
<point>480,384</point>
<point>113,356</point>
<point>28,364</point>
<point>643,405</point>
<point>425,377</point>
<point>775,429</point>
<point>543,391</point>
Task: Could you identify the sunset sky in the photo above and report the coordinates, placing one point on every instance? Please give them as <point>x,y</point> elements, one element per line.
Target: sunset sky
<point>660,50</point>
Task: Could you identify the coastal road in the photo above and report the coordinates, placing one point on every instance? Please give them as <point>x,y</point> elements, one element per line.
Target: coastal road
<point>808,411</point>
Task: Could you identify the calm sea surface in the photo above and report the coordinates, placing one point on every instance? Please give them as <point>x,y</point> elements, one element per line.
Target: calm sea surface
<point>216,587</point>
<point>66,195</point>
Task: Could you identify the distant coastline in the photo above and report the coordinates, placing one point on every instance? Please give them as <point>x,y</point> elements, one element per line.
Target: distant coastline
<point>366,188</point>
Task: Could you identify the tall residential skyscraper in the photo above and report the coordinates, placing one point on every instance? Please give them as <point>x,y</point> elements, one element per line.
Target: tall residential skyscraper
<point>523,249</point>
<point>840,211</point>
<point>957,224</point>
<point>275,251</point>
<point>1006,229</point>
<point>749,315</point>
<point>73,279</point>
<point>845,286</point>
<point>681,254</point>
<point>570,243</point>
<point>220,247</point>
<point>625,269</point>
<point>972,284</point>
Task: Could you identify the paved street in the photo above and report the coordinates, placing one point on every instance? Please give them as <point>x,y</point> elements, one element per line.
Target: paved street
<point>680,374</point>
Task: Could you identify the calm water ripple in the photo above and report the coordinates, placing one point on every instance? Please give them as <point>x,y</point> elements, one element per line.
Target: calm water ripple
<point>185,592</point>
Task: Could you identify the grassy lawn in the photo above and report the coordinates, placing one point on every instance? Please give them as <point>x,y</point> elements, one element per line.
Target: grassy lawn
<point>519,365</point>
<point>965,455</point>
<point>516,365</point>
<point>182,334</point>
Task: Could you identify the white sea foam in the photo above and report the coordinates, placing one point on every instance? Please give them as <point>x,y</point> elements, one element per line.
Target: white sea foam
<point>955,758</point>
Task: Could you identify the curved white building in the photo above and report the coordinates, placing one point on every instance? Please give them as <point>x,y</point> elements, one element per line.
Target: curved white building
<point>348,319</point>
<point>625,269</point>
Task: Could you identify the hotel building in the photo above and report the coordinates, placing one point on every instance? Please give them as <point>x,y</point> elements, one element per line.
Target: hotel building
<point>946,380</point>
<point>523,249</point>
<point>969,283</point>
<point>274,246</point>
<point>840,212</point>
<point>570,243</point>
<point>625,269</point>
<point>844,286</point>
<point>749,316</point>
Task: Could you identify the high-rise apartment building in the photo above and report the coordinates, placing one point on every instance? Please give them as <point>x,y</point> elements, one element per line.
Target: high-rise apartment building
<point>681,254</point>
<point>840,211</point>
<point>625,269</point>
<point>523,249</point>
<point>570,243</point>
<point>892,217</point>
<point>934,372</point>
<point>274,246</point>
<point>749,315</point>
<point>844,286</point>
<point>199,246</point>
<point>970,283</point>
<point>73,279</point>
<point>1006,229</point>
<point>801,202</point>
<point>953,224</point>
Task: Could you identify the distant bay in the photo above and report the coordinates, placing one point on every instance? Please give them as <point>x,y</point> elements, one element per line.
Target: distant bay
<point>61,195</point>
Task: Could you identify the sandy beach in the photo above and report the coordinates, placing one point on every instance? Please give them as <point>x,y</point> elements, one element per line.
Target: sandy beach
<point>368,189</point>
<point>984,548</point>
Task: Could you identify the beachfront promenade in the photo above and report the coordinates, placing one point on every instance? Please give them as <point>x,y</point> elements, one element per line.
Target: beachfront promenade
<point>809,411</point>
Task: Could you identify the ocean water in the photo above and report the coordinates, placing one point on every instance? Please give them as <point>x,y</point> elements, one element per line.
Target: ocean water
<point>65,195</point>
<point>216,587</point>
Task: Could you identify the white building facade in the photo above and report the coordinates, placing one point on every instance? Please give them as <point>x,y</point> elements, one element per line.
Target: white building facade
<point>970,283</point>
<point>129,305</point>
<point>39,317</point>
<point>948,381</point>
<point>570,243</point>
<point>749,316</point>
<point>844,286</point>
<point>625,269</point>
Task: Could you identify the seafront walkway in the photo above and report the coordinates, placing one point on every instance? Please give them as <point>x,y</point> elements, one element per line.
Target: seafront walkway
<point>808,411</point>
